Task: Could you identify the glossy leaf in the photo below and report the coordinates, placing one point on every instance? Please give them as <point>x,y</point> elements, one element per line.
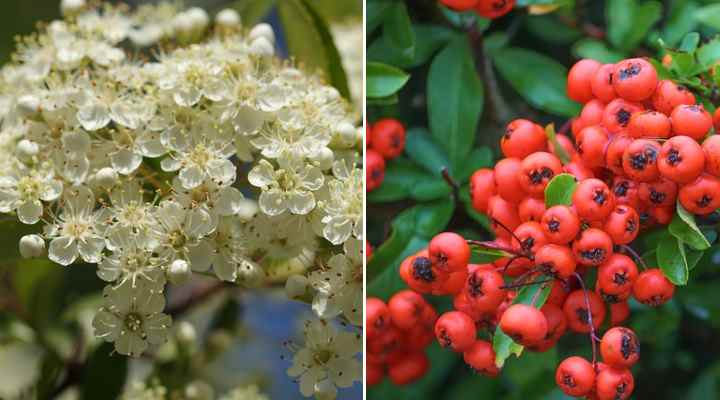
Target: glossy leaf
<point>559,190</point>
<point>684,228</point>
<point>398,31</point>
<point>384,80</point>
<point>673,260</point>
<point>709,15</point>
<point>404,179</point>
<point>425,151</point>
<point>454,104</point>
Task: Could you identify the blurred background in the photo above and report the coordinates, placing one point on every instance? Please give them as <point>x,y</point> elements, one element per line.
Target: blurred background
<point>521,61</point>
<point>46,310</point>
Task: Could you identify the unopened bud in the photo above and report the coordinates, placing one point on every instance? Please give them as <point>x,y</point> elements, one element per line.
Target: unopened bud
<point>32,246</point>
<point>27,149</point>
<point>179,271</point>
<point>262,47</point>
<point>106,177</point>
<point>262,30</point>
<point>228,18</point>
<point>71,7</point>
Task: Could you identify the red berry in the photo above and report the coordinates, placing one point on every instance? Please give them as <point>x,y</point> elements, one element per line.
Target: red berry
<point>481,358</point>
<point>702,196</point>
<point>528,237</point>
<point>576,311</point>
<point>653,288</point>
<point>681,159</point>
<point>575,376</point>
<point>409,368</point>
<point>634,79</point>
<point>560,224</point>
<point>601,83</point>
<point>614,384</point>
<point>522,138</point>
<point>375,373</point>
<point>388,137</point>
<point>591,144</point>
<point>661,193</point>
<point>620,348</point>
<point>691,120</point>
<point>484,290</point>
<point>377,317</point>
<point>578,80</point>
<point>537,170</point>
<point>617,275</point>
<point>507,180</point>
<point>449,251</point>
<point>616,116</point>
<point>482,187</point>
<point>626,191</point>
<point>649,124</point>
<point>531,209</point>
<point>593,247</point>
<point>556,260</point>
<point>669,95</point>
<point>711,148</point>
<point>525,324</point>
<point>593,200</point>
<point>456,330</point>
<point>500,210</point>
<point>406,309</point>
<point>614,153</point>
<point>640,160</point>
<point>374,169</point>
<point>623,224</point>
<point>557,325</point>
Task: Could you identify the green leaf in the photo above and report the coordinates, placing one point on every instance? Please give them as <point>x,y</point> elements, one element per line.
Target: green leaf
<point>596,50</point>
<point>454,105</point>
<point>690,42</point>
<point>375,14</point>
<point>310,41</point>
<point>504,346</point>
<point>709,15</point>
<point>551,29</point>
<point>629,23</point>
<point>412,230</point>
<point>559,149</point>
<point>104,375</point>
<point>673,260</point>
<point>485,256</point>
<point>480,157</point>
<point>544,88</point>
<point>253,11</point>
<point>680,21</point>
<point>428,40</point>
<point>38,283</point>
<point>398,31</point>
<point>404,179</point>
<point>384,80</point>
<point>684,228</point>
<point>427,153</point>
<point>709,53</point>
<point>559,190</point>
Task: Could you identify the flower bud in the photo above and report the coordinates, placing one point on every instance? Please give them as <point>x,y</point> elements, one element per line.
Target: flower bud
<point>106,177</point>
<point>228,18</point>
<point>296,287</point>
<point>345,135</point>
<point>324,158</point>
<point>199,19</point>
<point>71,7</point>
<point>179,271</point>
<point>247,210</point>
<point>32,246</point>
<point>262,30</point>
<point>199,390</point>
<point>29,106</point>
<point>27,149</point>
<point>186,333</point>
<point>262,47</point>
<point>250,274</point>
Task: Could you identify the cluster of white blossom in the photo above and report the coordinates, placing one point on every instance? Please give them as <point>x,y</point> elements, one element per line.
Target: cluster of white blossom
<point>159,142</point>
<point>350,42</point>
<point>196,390</point>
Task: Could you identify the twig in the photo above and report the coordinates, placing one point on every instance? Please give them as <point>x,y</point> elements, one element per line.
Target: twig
<point>196,297</point>
<point>634,255</point>
<point>451,182</point>
<point>593,338</point>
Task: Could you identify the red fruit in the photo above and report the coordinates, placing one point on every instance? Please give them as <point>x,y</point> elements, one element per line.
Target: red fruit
<point>482,187</point>
<point>368,250</point>
<point>409,368</point>
<point>558,293</point>
<point>662,215</point>
<point>616,116</point>
<point>593,247</point>
<point>681,159</point>
<point>634,79</point>
<point>374,169</point>
<point>702,196</point>
<point>617,275</point>
<point>531,209</point>
<point>560,224</point>
<point>556,260</point>
<point>456,330</point>
<point>578,80</point>
<point>612,298</point>
<point>620,348</point>
<point>493,9</point>
<point>565,143</point>
<point>691,120</point>
<point>575,376</point>
<point>669,95</point>
<point>640,160</point>
<point>406,309</point>
<point>649,124</point>
<point>661,193</point>
<point>652,288</point>
<point>481,358</point>
<point>619,312</point>
<point>626,191</point>
<point>388,137</point>
<point>591,144</point>
<point>507,180</point>
<point>484,290</point>
<point>454,284</point>
<point>601,83</point>
<point>528,237</point>
<point>615,151</point>
<point>592,112</point>
<point>505,212</point>
<point>623,224</point>
<point>614,384</point>
<point>525,324</point>
<point>420,274</point>
<point>711,148</point>
<point>537,171</point>
<point>449,251</point>
<point>377,317</point>
<point>375,373</point>
<point>593,200</point>
<point>576,311</point>
<point>522,138</point>
<point>578,170</point>
<point>556,327</point>
<point>459,5</point>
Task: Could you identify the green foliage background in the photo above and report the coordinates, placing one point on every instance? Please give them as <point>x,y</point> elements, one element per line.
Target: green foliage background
<point>455,80</point>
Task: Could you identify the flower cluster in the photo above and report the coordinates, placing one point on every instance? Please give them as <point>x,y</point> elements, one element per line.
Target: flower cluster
<point>156,143</point>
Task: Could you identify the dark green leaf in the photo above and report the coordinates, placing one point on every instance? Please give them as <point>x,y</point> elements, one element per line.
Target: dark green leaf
<point>398,31</point>
<point>427,153</point>
<point>629,23</point>
<point>544,88</point>
<point>684,228</point>
<point>38,283</point>
<point>454,105</point>
<point>596,50</point>
<point>104,375</point>
<point>673,260</point>
<point>481,157</point>
<point>428,39</point>
<point>431,189</point>
<point>375,13</point>
<point>403,179</point>
<point>680,21</point>
<point>484,256</point>
<point>384,80</point>
<point>310,41</point>
<point>709,15</point>
<point>551,29</point>
<point>709,53</point>
<point>559,190</point>
<point>690,42</point>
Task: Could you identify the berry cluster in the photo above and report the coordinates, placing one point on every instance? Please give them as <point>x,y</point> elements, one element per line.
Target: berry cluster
<point>485,8</point>
<point>640,146</point>
<point>385,141</point>
<point>398,333</point>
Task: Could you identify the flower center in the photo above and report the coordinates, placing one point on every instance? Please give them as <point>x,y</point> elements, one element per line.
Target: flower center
<point>133,322</point>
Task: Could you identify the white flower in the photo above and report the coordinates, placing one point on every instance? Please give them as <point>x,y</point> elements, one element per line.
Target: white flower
<point>328,354</point>
<point>287,188</point>
<point>343,210</point>
<point>32,246</point>
<point>228,252</point>
<point>132,318</point>
<point>339,289</point>
<point>128,210</point>
<point>180,233</point>
<point>24,190</point>
<point>74,232</point>
<point>132,260</point>
<point>250,392</point>
<point>192,79</point>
